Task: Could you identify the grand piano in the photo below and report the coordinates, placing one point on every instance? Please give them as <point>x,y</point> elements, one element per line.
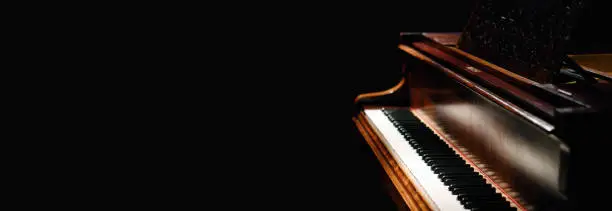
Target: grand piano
<point>501,116</point>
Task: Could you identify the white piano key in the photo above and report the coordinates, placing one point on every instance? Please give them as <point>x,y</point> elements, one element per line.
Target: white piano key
<point>409,160</point>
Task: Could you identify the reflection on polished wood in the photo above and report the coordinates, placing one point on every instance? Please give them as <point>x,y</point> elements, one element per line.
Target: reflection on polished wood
<point>599,63</point>
<point>494,67</point>
<point>392,90</point>
<point>450,39</point>
<point>508,105</point>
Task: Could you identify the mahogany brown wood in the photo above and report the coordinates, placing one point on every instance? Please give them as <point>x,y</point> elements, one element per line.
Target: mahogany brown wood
<point>403,184</point>
<point>395,96</point>
<point>495,67</point>
<point>508,105</point>
<point>389,91</point>
<point>488,78</point>
<point>392,191</point>
<point>444,38</point>
<point>560,94</point>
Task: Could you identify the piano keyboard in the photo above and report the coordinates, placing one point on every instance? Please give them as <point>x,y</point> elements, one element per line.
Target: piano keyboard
<point>447,181</point>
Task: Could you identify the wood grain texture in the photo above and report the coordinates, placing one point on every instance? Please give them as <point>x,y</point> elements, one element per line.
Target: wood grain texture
<point>495,67</point>
<point>405,187</point>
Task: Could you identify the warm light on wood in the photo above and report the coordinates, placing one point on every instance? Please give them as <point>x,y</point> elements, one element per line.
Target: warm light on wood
<point>401,182</point>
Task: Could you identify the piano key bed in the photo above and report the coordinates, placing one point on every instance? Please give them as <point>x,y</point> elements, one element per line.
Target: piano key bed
<point>444,177</point>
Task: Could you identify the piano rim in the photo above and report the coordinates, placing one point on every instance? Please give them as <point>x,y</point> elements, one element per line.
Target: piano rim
<point>403,184</point>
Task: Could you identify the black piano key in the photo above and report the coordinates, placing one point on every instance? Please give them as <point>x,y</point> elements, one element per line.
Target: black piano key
<point>483,200</point>
<point>445,165</point>
<point>424,149</point>
<point>421,133</point>
<point>493,208</point>
<point>466,180</point>
<point>455,175</point>
<point>453,170</point>
<point>448,162</point>
<point>431,143</point>
<point>460,184</point>
<point>416,129</point>
<point>458,176</point>
<point>437,163</point>
<point>401,115</point>
<point>434,145</point>
<point>439,157</point>
<point>465,198</point>
<point>437,154</point>
<point>470,187</point>
<point>436,148</point>
<point>475,193</point>
<point>424,137</point>
<point>410,126</point>
<point>486,204</point>
<point>430,160</point>
<point>473,190</point>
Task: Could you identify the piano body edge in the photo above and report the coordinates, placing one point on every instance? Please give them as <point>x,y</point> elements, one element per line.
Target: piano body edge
<point>404,193</point>
<point>394,96</point>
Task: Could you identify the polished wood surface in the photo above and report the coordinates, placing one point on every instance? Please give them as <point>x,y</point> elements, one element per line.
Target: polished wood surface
<point>405,187</point>
<point>392,90</point>
<point>495,67</point>
<point>444,38</point>
<point>487,78</point>
<point>492,176</point>
<point>506,104</point>
<point>601,63</point>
